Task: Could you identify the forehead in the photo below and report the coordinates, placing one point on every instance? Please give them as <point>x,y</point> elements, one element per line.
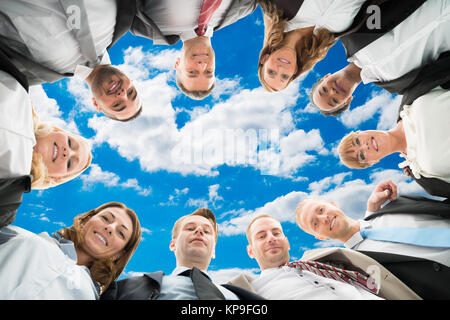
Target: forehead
<point>197,220</point>
<point>309,209</point>
<point>320,98</point>
<point>119,214</point>
<point>264,224</point>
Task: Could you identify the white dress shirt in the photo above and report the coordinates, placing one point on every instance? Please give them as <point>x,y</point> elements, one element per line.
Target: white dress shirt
<point>176,287</point>
<point>286,283</point>
<point>175,17</point>
<point>16,128</point>
<point>416,41</point>
<point>44,28</point>
<point>35,267</point>
<point>441,255</point>
<point>334,15</point>
<point>426,123</point>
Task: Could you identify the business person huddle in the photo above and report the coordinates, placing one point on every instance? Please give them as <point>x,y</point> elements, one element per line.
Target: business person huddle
<point>408,54</point>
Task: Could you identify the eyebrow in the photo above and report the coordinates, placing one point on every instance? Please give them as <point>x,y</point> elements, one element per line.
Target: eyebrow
<point>114,217</point>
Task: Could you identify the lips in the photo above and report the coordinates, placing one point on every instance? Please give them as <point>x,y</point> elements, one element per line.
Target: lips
<point>101,238</point>
<point>113,87</point>
<point>332,223</point>
<point>198,240</point>
<point>374,144</point>
<point>55,152</point>
<point>282,60</point>
<point>272,248</point>
<point>340,88</point>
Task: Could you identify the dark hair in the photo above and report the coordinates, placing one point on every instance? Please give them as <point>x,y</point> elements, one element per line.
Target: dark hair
<point>333,112</point>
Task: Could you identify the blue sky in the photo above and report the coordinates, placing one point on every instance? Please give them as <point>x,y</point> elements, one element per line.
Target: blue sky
<point>179,154</point>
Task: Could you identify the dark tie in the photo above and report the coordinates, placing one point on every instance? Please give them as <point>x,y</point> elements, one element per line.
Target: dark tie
<point>353,278</point>
<point>206,13</point>
<point>204,288</point>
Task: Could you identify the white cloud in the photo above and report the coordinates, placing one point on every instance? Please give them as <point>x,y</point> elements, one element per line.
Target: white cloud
<point>213,201</point>
<point>380,102</point>
<point>350,195</point>
<point>110,179</point>
<point>48,111</point>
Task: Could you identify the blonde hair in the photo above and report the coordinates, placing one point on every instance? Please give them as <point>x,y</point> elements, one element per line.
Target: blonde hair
<point>105,270</point>
<point>41,178</point>
<point>298,212</point>
<point>346,151</point>
<point>203,212</point>
<point>310,48</point>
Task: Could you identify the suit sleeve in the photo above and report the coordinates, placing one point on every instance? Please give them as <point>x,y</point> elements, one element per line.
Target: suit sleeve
<point>11,190</point>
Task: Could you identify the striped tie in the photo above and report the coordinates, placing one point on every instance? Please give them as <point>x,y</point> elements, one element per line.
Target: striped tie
<point>206,12</point>
<point>351,277</point>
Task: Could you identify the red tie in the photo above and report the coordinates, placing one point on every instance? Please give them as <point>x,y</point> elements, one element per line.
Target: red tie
<point>351,277</point>
<point>206,12</point>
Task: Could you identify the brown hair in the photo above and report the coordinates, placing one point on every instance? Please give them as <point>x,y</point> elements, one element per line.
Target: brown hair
<point>247,232</point>
<point>203,212</point>
<point>310,48</point>
<point>105,270</point>
<point>194,94</point>
<point>41,179</point>
<point>347,155</point>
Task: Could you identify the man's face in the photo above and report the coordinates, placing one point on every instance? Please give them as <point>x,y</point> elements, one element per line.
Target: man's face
<point>114,93</point>
<point>195,241</point>
<point>195,67</point>
<point>323,220</point>
<point>269,246</point>
<point>334,91</point>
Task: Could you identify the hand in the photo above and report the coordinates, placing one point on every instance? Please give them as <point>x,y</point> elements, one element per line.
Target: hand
<point>383,192</point>
<point>405,171</point>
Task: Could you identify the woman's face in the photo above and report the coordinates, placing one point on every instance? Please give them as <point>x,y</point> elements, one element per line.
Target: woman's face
<point>371,146</point>
<point>279,67</point>
<point>63,154</point>
<point>107,233</point>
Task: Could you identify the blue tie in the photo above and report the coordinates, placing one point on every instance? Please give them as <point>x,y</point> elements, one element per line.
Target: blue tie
<point>427,237</point>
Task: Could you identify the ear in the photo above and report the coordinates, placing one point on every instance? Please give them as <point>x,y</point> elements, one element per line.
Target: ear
<point>264,58</point>
<point>177,63</point>
<point>250,251</point>
<point>172,245</point>
<point>348,100</point>
<point>94,102</point>
<point>213,253</point>
<point>334,204</point>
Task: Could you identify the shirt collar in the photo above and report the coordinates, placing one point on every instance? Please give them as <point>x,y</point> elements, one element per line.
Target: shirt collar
<point>83,71</point>
<point>190,34</point>
<point>356,238</point>
<point>181,269</point>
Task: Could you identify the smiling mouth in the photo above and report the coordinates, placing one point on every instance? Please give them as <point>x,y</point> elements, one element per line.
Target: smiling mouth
<point>374,144</point>
<point>113,87</point>
<point>285,61</point>
<point>100,237</point>
<point>332,223</point>
<point>55,152</point>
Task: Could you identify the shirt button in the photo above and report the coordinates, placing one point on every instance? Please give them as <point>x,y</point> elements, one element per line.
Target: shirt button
<point>436,267</point>
<point>316,282</point>
<point>332,288</point>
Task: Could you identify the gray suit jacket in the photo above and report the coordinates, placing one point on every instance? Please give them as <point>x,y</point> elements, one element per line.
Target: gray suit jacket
<point>133,16</point>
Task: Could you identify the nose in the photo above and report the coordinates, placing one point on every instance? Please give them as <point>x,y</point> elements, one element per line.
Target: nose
<point>108,229</point>
<point>199,230</point>
<point>324,218</point>
<point>202,65</point>
<point>121,93</point>
<point>67,152</point>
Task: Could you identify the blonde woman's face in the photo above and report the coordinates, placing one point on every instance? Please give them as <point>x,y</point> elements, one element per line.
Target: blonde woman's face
<point>279,67</point>
<point>63,154</point>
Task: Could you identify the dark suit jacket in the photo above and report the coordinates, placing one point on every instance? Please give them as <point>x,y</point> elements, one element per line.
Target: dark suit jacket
<point>148,287</point>
<point>429,279</point>
<point>11,190</point>
<point>392,13</point>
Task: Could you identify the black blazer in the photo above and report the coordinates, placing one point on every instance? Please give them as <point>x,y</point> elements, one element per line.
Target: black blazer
<point>429,279</point>
<point>148,287</point>
<point>392,13</point>
<point>11,190</point>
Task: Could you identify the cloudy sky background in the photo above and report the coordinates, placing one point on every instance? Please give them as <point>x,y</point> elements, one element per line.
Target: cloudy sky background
<point>240,152</point>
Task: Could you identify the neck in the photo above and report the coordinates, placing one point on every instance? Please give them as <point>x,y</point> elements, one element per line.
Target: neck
<point>398,138</point>
<point>353,72</point>
<point>292,38</point>
<point>354,227</point>
<point>83,259</point>
<point>191,264</point>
